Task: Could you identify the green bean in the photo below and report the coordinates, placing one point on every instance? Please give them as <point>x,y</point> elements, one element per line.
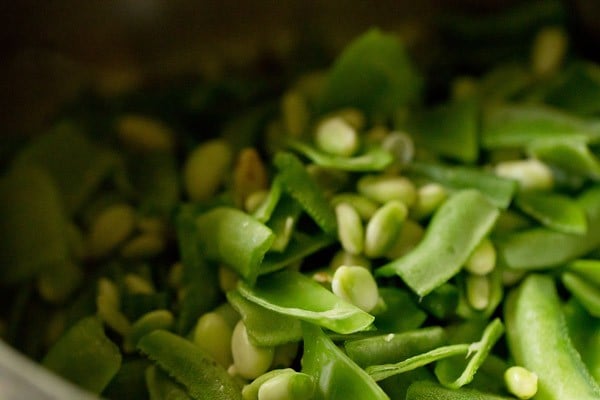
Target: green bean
<point>283,221</point>
<point>538,248</point>
<point>298,184</point>
<point>265,327</point>
<point>329,366</point>
<point>129,382</point>
<point>584,331</point>
<point>498,190</point>
<point>85,356</point>
<point>587,269</point>
<point>154,178</point>
<point>587,293</point>
<point>457,372</point>
<point>442,302</point>
<point>33,233</point>
<point>291,293</point>
<point>538,340</point>
<point>222,239</point>
<point>76,165</point>
<point>426,390</point>
<point>189,365</point>
<point>450,130</point>
<point>447,242</point>
<point>518,125</point>
<point>267,207</point>
<point>384,349</point>
<point>409,237</point>
<point>554,211</point>
<point>400,314</point>
<point>161,387</point>
<point>300,246</point>
<point>375,159</point>
<point>197,274</point>
<point>380,372</point>
<point>384,76</point>
<point>159,319</point>
<point>577,89</point>
<point>570,155</point>
<point>57,283</point>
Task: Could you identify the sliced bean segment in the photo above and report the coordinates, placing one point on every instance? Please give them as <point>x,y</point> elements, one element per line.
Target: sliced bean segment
<point>327,364</point>
<point>535,309</point>
<point>85,356</point>
<point>447,243</point>
<point>538,248</point>
<point>190,366</point>
<point>293,294</point>
<point>384,349</point>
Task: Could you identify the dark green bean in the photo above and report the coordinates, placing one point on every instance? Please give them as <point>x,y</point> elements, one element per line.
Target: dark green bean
<point>85,356</point>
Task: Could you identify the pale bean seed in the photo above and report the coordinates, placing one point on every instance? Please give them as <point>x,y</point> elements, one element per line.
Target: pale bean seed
<point>357,286</point>
<point>429,198</point>
<point>145,134</point>
<point>205,169</point>
<point>249,360</point>
<point>110,228</point>
<point>213,335</point>
<point>478,291</point>
<point>521,382</point>
<point>336,136</point>
<point>549,49</point>
<point>295,113</point>
<point>138,285</point>
<point>386,188</point>
<point>350,229</point>
<point>384,228</point>
<point>531,173</point>
<point>483,259</point>
<point>146,245</point>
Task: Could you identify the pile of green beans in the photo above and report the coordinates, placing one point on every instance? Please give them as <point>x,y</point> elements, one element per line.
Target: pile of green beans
<point>347,242</point>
